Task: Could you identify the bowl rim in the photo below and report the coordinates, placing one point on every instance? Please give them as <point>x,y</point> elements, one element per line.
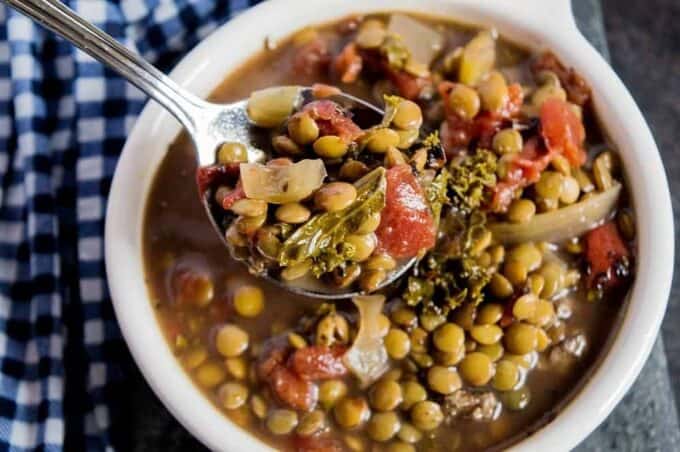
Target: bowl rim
<point>530,22</point>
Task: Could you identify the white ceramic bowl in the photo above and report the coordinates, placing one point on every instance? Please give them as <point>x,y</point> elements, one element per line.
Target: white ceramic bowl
<point>534,23</point>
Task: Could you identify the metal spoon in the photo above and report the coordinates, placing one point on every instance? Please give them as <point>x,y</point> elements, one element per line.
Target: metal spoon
<point>208,124</point>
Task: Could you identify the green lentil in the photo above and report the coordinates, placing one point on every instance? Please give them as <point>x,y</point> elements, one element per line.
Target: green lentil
<point>516,400</point>
<point>507,140</point>
<point>385,395</point>
<point>231,341</point>
<point>330,147</point>
<point>248,301</point>
<point>311,423</point>
<point>381,139</point>
<point>449,338</point>
<point>364,245</point>
<point>426,415</point>
<point>489,314</point>
<point>296,271</point>
<point>515,272</point>
<point>506,377</point>
<point>330,391</point>
<point>292,213</point>
<point>486,334</point>
<point>303,129</point>
<point>233,395</point>
<point>443,380</point>
<point>232,153</point>
<point>493,92</point>
<point>351,412</point>
<point>476,368</point>
<point>397,343</point>
<point>412,393</point>
<point>493,351</point>
<point>520,338</point>
<point>464,101</point>
<point>408,115</point>
<point>409,434</point>
<point>286,146</point>
<point>383,426</point>
<point>282,422</point>
<point>521,211</point>
<point>335,196</point>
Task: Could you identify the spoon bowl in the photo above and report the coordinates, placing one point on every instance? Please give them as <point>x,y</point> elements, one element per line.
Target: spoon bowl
<point>229,123</point>
<point>208,124</point>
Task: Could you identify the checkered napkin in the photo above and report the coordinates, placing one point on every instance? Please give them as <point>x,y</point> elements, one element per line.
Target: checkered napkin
<point>63,121</point>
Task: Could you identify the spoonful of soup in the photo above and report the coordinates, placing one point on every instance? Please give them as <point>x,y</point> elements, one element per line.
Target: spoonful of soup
<point>336,207</point>
<point>310,187</point>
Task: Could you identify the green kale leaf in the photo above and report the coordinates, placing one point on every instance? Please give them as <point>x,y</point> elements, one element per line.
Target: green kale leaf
<point>470,179</point>
<point>322,238</point>
<point>450,275</point>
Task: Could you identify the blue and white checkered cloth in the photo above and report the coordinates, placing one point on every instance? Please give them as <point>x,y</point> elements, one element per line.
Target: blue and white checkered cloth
<point>63,121</point>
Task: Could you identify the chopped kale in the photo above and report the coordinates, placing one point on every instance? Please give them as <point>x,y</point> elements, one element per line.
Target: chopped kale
<point>322,238</point>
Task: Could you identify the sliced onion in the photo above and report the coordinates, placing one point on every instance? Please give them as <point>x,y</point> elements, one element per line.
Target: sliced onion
<point>560,224</point>
<point>270,107</point>
<point>282,184</point>
<point>367,359</point>
<point>423,42</point>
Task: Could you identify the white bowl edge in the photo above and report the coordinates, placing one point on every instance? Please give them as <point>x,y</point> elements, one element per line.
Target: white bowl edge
<point>523,21</point>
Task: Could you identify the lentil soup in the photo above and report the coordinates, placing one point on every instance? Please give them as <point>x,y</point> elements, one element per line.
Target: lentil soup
<point>497,324</point>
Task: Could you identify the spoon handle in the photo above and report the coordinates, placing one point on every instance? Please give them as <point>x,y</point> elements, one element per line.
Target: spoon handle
<point>63,21</point>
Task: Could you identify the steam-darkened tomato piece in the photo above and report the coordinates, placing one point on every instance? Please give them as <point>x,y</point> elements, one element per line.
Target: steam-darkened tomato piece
<point>317,443</point>
<point>406,225</point>
<point>409,86</point>
<point>563,131</point>
<point>312,59</point>
<point>288,386</point>
<point>607,257</point>
<point>332,120</point>
<point>525,169</point>
<point>318,362</point>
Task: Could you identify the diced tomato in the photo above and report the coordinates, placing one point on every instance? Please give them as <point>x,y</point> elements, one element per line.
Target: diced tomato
<point>288,386</point>
<point>406,225</point>
<point>317,443</point>
<point>209,176</point>
<point>485,126</point>
<point>312,59</point>
<point>457,133</point>
<point>292,390</point>
<point>332,120</point>
<point>348,63</point>
<point>508,318</point>
<point>607,256</point>
<point>515,101</point>
<point>274,354</point>
<point>318,362</point>
<point>522,171</point>
<point>563,131</point>
<point>409,86</point>
<point>236,194</point>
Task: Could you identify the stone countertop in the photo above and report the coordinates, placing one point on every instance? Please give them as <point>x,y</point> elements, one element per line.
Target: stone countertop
<point>643,53</point>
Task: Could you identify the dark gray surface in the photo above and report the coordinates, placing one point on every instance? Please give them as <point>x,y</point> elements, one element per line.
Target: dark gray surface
<point>644,38</point>
<point>641,37</point>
